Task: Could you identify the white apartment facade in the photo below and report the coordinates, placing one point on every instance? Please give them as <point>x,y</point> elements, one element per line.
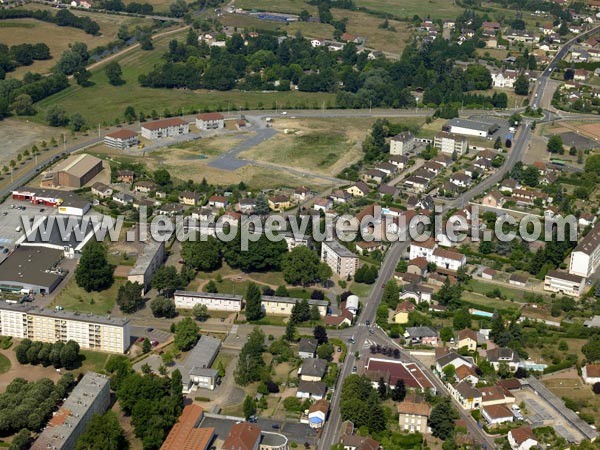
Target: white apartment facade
<point>91,332</point>
<point>586,256</point>
<point>450,143</point>
<point>563,282</point>
<point>341,260</point>
<point>210,121</point>
<point>282,306</point>
<point>174,126</point>
<point>402,143</point>
<point>213,302</point>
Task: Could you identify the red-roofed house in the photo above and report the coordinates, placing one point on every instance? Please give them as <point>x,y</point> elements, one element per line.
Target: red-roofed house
<point>522,438</point>
<point>210,121</point>
<point>174,126</point>
<point>393,370</point>
<point>121,139</point>
<point>242,436</point>
<point>186,435</point>
<point>591,373</point>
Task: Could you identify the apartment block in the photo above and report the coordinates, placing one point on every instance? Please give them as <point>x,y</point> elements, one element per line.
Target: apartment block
<point>341,260</point>
<point>91,332</point>
<point>450,143</point>
<point>586,256</point>
<point>213,302</point>
<point>565,283</point>
<point>91,396</point>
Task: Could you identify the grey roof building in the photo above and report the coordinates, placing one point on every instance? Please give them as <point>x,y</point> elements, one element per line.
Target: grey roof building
<point>307,347</point>
<point>91,396</point>
<point>196,371</point>
<point>311,389</point>
<point>31,269</point>
<point>313,369</point>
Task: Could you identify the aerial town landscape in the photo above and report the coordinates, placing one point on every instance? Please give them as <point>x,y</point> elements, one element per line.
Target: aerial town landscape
<point>318,224</point>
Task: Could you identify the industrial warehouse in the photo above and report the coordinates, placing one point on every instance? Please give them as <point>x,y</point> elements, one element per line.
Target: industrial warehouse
<point>74,172</point>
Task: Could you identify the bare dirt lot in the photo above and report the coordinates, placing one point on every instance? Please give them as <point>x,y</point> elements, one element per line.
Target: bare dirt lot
<point>16,135</point>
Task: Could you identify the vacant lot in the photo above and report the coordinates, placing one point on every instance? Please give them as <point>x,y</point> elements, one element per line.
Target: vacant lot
<point>16,135</point>
<point>308,29</point>
<point>103,103</point>
<point>73,298</point>
<point>325,145</point>
<point>574,389</point>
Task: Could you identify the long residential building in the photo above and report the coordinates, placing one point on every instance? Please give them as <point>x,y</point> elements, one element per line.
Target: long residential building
<point>213,302</point>
<point>91,332</point>
<point>341,260</point>
<point>564,282</point>
<point>121,139</point>
<point>282,306</point>
<point>586,256</point>
<point>147,263</point>
<point>91,396</point>
<point>173,126</point>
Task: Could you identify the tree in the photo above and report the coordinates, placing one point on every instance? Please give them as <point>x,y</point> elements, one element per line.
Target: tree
<point>449,372</point>
<point>253,302</point>
<point>303,266</point>
<point>596,388</point>
<point>102,432</point>
<point>166,280</point>
<point>130,114</point>
<point>114,73</point>
<point>441,419</point>
<point>391,294</point>
<point>202,255</point>
<point>462,319</point>
<point>521,85</point>
<point>250,364</point>
<point>325,351</point>
<point>146,345</point>
<point>56,116</point>
<point>498,143</point>
<point>211,287</point>
<point>531,176</point>
<point>23,105</point>
<point>249,407</point>
<point>200,312</point>
<point>399,391</point>
<point>21,441</point>
<point>315,315</point>
<point>129,297</point>
<point>446,334</point>
<point>290,330</point>
<point>320,334</point>
<point>163,307</point>
<point>382,389</point>
<point>186,334</point>
<point>162,177</point>
<point>93,273</point>
<point>591,349</point>
<point>82,77</point>
<point>555,144</point>
<point>282,291</point>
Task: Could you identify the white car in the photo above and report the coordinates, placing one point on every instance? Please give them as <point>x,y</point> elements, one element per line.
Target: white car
<point>284,113</point>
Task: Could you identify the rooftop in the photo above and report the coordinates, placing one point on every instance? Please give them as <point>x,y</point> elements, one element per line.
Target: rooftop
<point>31,266</point>
<point>78,165</point>
<point>164,123</point>
<point>590,242</point>
<point>66,420</point>
<point>67,315</point>
<point>143,261</point>
<point>417,409</point>
<point>122,134</point>
<point>313,367</point>
<point>211,116</point>
<point>339,249</point>
<point>60,231</point>
<point>311,302</point>
<point>184,433</point>
<point>565,276</point>
<point>470,124</point>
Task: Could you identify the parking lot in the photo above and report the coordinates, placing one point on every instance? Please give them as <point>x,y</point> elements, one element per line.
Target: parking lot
<point>150,333</point>
<point>541,413</point>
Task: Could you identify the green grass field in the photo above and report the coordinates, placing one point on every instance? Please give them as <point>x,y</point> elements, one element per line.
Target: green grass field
<point>437,9</point>
<point>74,298</point>
<point>93,361</point>
<point>4,364</point>
<point>284,6</point>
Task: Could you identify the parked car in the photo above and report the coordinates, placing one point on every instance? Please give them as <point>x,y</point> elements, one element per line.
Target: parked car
<point>154,343</point>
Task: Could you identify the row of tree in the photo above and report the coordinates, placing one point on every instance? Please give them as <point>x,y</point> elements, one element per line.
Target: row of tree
<point>21,55</point>
<point>59,354</point>
<point>63,18</point>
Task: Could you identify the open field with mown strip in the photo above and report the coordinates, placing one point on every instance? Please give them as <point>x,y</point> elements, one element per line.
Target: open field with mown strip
<point>437,9</point>
<point>283,6</point>
<point>103,103</point>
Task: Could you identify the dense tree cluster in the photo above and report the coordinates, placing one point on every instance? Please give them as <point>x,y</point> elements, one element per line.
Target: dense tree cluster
<point>59,354</point>
<point>261,255</point>
<point>442,419</point>
<point>250,366</point>
<point>163,307</point>
<point>303,266</point>
<point>186,334</point>
<point>30,405</point>
<point>154,403</point>
<point>361,404</point>
<point>103,431</point>
<point>34,86</point>
<point>93,272</point>
<point>118,5</point>
<point>63,18</point>
<point>21,55</point>
<point>202,255</point>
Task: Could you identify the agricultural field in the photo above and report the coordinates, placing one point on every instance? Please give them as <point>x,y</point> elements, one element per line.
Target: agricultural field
<point>317,145</point>
<point>17,135</point>
<point>103,103</point>
<point>282,6</point>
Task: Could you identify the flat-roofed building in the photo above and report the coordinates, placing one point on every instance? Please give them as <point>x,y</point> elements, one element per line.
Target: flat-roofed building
<point>185,434</point>
<point>91,396</point>
<point>106,334</point>
<point>565,283</point>
<point>34,270</point>
<point>210,121</point>
<point>147,263</point>
<point>122,139</point>
<point>195,371</point>
<point>213,302</point>
<point>282,306</point>
<point>341,260</point>
<point>450,143</point>
<point>586,256</point>
<point>471,127</point>
<point>173,126</point>
<point>75,171</point>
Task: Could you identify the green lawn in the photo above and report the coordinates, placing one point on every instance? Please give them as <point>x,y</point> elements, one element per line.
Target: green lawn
<point>482,287</point>
<point>361,289</point>
<point>103,103</point>
<point>94,361</point>
<point>4,364</point>
<point>74,298</point>
<point>436,9</point>
<point>482,300</point>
